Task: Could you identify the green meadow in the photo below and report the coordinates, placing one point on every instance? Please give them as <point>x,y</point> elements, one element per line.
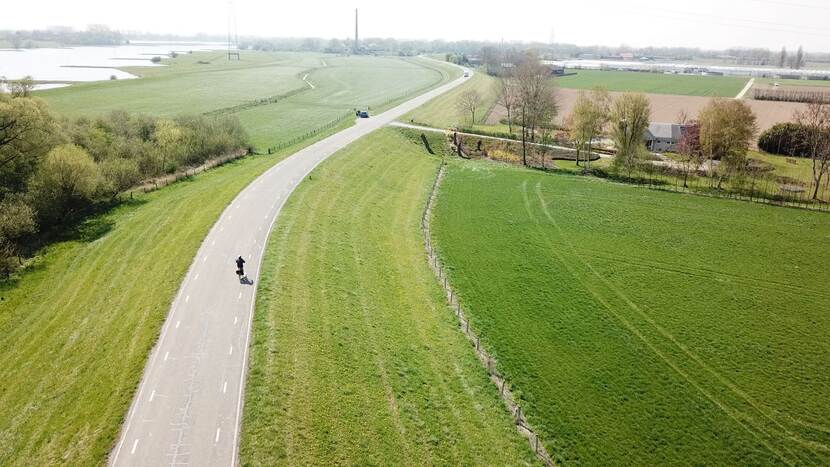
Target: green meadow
<point>654,83</point>
<point>644,327</point>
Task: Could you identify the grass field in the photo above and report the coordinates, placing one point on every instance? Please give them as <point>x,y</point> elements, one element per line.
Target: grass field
<point>355,358</point>
<point>654,83</point>
<point>186,86</point>
<point>76,327</point>
<point>793,82</point>
<point>442,112</point>
<point>644,327</point>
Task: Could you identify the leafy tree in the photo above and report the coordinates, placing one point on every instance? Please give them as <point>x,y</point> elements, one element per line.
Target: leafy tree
<point>22,87</point>
<point>27,132</point>
<point>786,139</point>
<point>168,137</point>
<point>727,127</point>
<point>66,181</point>
<point>588,120</point>
<point>17,219</point>
<point>630,115</point>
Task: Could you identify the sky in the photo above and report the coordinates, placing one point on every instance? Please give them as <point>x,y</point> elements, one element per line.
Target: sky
<point>707,24</point>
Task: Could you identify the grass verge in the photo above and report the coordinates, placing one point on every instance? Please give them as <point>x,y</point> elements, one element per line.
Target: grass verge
<point>355,358</point>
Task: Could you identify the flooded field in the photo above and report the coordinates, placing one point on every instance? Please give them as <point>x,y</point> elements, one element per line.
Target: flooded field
<point>73,64</point>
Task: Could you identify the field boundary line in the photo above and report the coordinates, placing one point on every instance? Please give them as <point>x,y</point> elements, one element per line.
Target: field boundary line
<point>746,89</point>
<point>486,359</point>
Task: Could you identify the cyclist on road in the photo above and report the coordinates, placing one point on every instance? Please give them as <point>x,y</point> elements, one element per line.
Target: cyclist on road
<point>240,267</point>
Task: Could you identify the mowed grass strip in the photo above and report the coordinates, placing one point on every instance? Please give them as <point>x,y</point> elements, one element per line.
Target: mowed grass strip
<point>644,327</point>
<point>355,358</point>
<point>76,328</point>
<point>654,83</point>
<point>443,111</point>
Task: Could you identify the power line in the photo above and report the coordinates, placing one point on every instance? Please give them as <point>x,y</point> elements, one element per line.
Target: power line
<point>682,16</point>
<point>777,25</point>
<point>792,4</point>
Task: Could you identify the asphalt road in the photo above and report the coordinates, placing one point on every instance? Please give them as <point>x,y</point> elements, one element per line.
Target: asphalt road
<point>187,409</point>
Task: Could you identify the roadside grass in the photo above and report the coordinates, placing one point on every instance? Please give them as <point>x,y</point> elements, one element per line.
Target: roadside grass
<point>654,83</point>
<point>341,84</point>
<point>644,327</point>
<point>442,112</point>
<point>77,326</point>
<point>355,358</point>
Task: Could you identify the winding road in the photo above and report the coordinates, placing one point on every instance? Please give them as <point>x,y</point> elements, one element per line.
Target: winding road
<point>188,407</point>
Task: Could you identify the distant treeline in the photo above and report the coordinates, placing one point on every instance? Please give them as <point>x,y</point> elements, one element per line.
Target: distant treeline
<point>54,171</point>
<point>93,35</point>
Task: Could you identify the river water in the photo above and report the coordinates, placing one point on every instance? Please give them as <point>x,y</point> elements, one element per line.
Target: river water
<point>71,64</point>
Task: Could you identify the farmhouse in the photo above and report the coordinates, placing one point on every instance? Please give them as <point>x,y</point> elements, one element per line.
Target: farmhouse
<point>662,137</point>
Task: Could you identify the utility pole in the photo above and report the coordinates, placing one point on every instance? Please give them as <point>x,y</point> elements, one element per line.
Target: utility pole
<point>355,46</point>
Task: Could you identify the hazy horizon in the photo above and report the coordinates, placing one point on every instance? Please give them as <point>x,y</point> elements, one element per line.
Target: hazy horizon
<point>708,24</point>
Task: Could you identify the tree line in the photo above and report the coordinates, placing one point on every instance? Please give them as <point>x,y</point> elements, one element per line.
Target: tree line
<point>95,34</point>
<point>716,144</point>
<point>55,170</point>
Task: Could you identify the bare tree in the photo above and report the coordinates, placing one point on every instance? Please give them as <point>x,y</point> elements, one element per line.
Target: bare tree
<point>536,99</point>
<point>468,102</point>
<point>588,120</point>
<point>816,121</point>
<point>797,60</point>
<point>508,99</point>
<point>630,115</point>
<point>782,57</point>
<point>691,156</point>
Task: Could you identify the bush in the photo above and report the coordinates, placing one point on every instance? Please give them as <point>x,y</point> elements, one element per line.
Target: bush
<point>786,139</point>
<point>156,59</point>
<point>66,182</point>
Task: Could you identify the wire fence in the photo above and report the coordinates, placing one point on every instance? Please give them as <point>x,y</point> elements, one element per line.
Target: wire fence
<point>507,396</point>
<point>763,190</point>
<point>161,182</point>
<point>300,138</point>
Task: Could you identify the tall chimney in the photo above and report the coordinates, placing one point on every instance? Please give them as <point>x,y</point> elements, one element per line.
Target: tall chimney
<point>355,46</point>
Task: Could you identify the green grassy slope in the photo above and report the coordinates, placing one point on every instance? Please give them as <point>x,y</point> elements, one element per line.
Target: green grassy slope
<point>442,112</point>
<point>76,328</point>
<point>185,86</point>
<point>656,83</point>
<point>344,84</point>
<point>645,327</point>
<point>355,358</point>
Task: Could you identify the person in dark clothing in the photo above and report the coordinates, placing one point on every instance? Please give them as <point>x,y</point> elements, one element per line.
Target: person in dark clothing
<point>240,266</point>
